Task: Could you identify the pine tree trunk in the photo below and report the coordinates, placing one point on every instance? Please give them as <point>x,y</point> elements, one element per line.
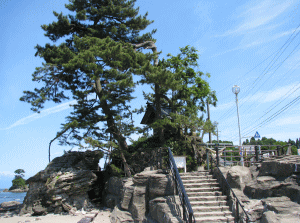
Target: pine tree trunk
<point>158,114</point>
<point>112,128</point>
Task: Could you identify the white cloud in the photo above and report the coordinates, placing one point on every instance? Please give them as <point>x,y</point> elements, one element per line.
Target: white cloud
<point>43,113</point>
<point>7,174</point>
<point>295,120</point>
<point>254,43</point>
<point>258,14</point>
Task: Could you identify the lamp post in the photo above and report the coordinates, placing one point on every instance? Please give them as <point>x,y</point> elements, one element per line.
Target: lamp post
<point>236,90</point>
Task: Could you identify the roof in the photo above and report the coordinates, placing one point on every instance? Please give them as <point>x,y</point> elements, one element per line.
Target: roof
<point>149,116</point>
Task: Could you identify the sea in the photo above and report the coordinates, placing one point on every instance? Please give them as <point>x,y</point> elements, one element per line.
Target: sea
<point>9,196</point>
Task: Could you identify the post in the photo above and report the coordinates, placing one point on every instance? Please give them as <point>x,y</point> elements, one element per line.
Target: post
<point>207,159</point>
<point>183,209</point>
<point>208,118</point>
<point>256,153</point>
<point>237,218</point>
<point>217,154</point>
<point>278,150</point>
<point>190,218</point>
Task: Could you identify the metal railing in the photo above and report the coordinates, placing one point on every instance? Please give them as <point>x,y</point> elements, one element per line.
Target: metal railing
<point>188,215</point>
<point>257,155</point>
<point>225,188</point>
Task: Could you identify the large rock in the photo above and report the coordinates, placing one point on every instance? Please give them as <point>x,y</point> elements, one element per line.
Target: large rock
<point>238,176</point>
<point>10,206</point>
<point>160,185</point>
<point>63,186</point>
<point>280,209</point>
<point>268,186</point>
<point>137,192</point>
<point>166,209</point>
<point>118,216</point>
<point>280,167</point>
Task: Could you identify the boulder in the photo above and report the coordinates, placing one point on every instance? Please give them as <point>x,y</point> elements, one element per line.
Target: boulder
<point>166,209</point>
<point>280,209</point>
<point>10,206</point>
<point>65,182</point>
<point>160,185</point>
<point>238,176</point>
<point>269,217</point>
<point>280,167</point>
<point>268,186</point>
<point>138,206</point>
<point>127,194</point>
<point>5,190</point>
<point>114,186</point>
<point>136,193</point>
<point>118,216</point>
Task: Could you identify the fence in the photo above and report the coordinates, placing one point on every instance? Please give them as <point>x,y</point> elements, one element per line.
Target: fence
<point>245,155</point>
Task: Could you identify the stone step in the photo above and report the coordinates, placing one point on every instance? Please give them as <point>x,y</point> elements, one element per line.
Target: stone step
<point>213,213</point>
<point>196,177</point>
<point>202,189</point>
<point>215,219</point>
<point>199,173</point>
<point>195,180</point>
<point>197,209</point>
<point>208,203</point>
<point>206,193</point>
<point>194,185</point>
<point>208,198</point>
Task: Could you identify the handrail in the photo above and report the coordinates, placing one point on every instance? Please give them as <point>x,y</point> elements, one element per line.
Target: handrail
<point>188,215</point>
<point>237,217</point>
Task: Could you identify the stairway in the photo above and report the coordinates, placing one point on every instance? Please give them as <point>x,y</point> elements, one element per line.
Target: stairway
<point>207,201</point>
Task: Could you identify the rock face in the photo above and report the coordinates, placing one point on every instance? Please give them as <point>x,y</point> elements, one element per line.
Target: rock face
<point>276,177</point>
<point>63,186</point>
<point>137,198</point>
<point>269,193</point>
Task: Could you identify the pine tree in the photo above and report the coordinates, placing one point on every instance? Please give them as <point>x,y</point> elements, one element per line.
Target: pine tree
<point>95,63</point>
<point>176,76</point>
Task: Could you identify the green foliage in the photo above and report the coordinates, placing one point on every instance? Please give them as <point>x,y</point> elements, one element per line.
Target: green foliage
<point>177,76</point>
<point>94,63</point>
<point>113,170</point>
<point>19,173</point>
<point>19,183</point>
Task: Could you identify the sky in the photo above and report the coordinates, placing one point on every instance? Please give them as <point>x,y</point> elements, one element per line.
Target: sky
<point>253,44</point>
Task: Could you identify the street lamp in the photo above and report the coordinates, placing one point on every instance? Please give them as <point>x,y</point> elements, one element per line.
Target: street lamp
<point>236,90</point>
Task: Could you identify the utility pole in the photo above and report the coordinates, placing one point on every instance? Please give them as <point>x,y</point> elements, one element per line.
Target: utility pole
<point>208,118</point>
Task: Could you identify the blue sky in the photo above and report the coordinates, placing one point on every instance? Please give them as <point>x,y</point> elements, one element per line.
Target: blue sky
<point>253,44</point>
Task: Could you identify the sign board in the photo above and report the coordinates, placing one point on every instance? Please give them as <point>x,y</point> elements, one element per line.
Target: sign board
<point>256,135</point>
<point>180,162</point>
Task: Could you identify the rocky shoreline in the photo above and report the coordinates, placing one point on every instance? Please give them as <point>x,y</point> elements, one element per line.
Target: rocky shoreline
<point>18,190</point>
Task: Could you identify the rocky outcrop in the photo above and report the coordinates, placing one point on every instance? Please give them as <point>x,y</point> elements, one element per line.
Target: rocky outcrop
<point>142,197</point>
<point>280,209</point>
<point>17,190</point>
<point>9,208</point>
<point>269,193</point>
<point>63,186</point>
<point>276,177</point>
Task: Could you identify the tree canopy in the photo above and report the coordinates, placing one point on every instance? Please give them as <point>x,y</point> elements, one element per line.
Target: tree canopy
<point>100,52</point>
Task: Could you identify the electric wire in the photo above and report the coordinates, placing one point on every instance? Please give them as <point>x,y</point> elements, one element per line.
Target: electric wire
<point>224,116</point>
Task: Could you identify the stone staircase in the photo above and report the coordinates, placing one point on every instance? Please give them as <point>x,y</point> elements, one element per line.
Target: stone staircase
<point>207,201</point>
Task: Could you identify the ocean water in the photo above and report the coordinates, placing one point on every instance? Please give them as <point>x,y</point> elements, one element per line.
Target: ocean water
<point>8,196</point>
